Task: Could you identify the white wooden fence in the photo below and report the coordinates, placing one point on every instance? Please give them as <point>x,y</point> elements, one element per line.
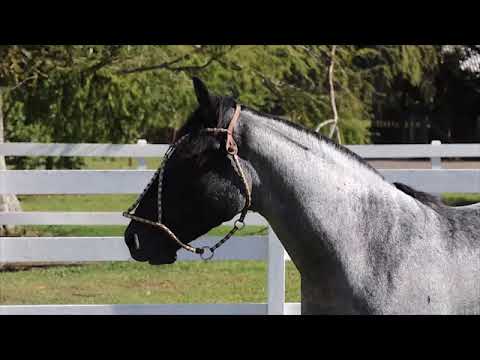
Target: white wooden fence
<point>83,249</point>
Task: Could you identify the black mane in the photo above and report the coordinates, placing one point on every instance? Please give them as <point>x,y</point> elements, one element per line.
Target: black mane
<point>193,123</point>
<point>423,197</point>
<point>223,103</point>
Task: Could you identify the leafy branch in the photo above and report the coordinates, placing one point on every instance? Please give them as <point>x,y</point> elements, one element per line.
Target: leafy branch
<point>170,65</point>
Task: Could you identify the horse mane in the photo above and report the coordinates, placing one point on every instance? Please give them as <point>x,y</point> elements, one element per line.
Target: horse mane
<point>196,122</point>
<point>223,103</point>
<point>193,123</point>
<point>425,198</point>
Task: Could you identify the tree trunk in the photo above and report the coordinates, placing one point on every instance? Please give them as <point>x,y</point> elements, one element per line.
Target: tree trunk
<point>8,202</point>
<point>334,122</point>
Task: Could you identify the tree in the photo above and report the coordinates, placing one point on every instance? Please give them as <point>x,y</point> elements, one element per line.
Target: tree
<point>402,79</point>
<point>106,94</point>
<point>456,115</point>
<point>19,67</point>
<point>119,93</point>
<point>292,81</point>
<point>425,92</point>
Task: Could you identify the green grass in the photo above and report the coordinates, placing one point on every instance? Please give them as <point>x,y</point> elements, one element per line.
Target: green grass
<point>138,283</point>
<point>454,199</point>
<point>76,202</point>
<point>108,163</point>
<point>114,230</point>
<point>118,163</point>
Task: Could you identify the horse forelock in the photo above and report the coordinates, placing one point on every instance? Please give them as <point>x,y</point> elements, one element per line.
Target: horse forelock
<point>216,115</point>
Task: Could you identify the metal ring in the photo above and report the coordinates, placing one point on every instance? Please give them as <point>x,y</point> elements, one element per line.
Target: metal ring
<point>242,224</point>
<point>203,256</point>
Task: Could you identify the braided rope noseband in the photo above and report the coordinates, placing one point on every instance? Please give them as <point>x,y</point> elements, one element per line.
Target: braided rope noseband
<point>232,150</point>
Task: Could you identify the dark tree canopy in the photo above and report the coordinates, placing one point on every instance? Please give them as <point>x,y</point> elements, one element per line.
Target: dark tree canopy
<point>120,93</point>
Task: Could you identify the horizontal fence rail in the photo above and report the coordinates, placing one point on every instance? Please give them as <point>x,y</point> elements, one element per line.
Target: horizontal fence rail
<point>437,181</point>
<point>86,218</point>
<point>162,309</point>
<point>83,150</point>
<point>74,181</point>
<point>140,309</point>
<point>416,151</point>
<point>388,151</point>
<point>92,249</point>
<point>134,181</point>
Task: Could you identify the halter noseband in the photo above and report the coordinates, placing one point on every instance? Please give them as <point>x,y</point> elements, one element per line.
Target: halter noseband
<point>232,150</point>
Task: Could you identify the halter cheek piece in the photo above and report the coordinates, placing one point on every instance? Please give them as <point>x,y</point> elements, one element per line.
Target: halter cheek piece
<point>205,252</point>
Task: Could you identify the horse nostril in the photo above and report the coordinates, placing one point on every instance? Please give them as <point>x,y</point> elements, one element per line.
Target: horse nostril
<point>132,241</point>
<point>137,242</point>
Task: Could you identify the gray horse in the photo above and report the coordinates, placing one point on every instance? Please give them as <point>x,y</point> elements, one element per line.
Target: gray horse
<point>361,244</point>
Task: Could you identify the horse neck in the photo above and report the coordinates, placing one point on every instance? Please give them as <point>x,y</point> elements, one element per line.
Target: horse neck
<point>314,196</point>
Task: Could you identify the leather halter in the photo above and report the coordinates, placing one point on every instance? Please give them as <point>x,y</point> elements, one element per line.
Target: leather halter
<point>232,150</point>
<point>231,145</point>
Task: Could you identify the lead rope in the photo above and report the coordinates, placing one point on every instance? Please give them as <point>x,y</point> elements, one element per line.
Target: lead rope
<point>159,174</point>
<point>240,223</point>
<point>232,150</point>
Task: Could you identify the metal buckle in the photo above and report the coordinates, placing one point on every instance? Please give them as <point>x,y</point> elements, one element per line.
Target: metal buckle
<point>206,257</point>
<point>239,227</point>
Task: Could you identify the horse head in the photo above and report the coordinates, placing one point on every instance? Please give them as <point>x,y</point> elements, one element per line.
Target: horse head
<point>197,189</point>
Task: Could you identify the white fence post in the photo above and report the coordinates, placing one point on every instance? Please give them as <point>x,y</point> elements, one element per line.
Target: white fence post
<point>142,165</point>
<point>3,257</point>
<point>276,275</point>
<point>436,161</point>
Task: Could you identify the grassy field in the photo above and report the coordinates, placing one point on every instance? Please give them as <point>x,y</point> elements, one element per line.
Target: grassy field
<point>454,199</point>
<point>131,282</point>
<point>136,283</point>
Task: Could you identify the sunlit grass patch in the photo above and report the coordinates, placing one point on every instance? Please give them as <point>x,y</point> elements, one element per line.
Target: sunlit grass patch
<point>139,283</point>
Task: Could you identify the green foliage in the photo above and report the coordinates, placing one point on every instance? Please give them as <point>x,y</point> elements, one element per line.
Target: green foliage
<point>110,93</point>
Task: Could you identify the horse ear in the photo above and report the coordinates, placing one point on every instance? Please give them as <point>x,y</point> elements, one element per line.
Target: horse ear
<point>201,92</point>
